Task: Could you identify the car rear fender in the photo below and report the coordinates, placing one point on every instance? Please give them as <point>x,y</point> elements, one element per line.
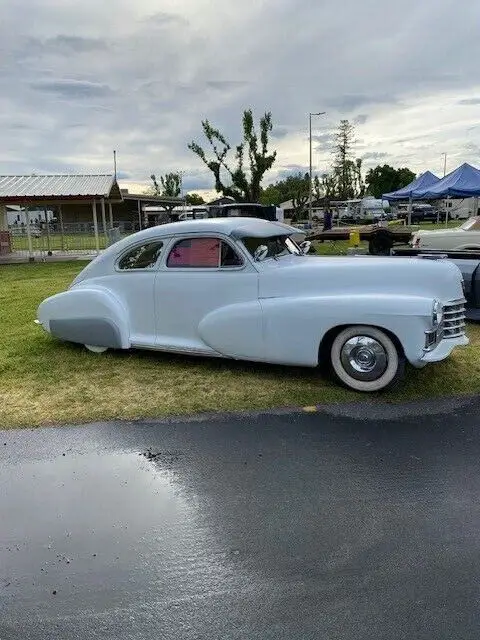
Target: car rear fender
<point>88,315</point>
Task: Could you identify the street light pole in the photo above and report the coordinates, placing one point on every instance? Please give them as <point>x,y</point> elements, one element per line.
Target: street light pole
<point>181,174</point>
<point>444,163</point>
<point>310,188</point>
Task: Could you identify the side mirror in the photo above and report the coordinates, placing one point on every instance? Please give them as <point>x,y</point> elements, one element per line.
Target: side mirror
<point>305,247</point>
<point>261,252</point>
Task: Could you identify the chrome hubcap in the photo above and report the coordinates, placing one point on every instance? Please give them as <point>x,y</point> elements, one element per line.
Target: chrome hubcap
<point>364,358</point>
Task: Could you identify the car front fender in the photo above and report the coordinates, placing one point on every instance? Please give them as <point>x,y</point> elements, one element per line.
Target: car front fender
<point>295,327</point>
<point>87,315</point>
<point>235,330</point>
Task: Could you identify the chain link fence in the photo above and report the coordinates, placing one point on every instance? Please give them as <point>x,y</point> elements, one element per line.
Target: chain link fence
<point>41,239</point>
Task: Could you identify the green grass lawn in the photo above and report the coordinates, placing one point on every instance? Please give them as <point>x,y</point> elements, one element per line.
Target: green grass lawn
<point>44,381</point>
<point>335,247</point>
<point>431,226</point>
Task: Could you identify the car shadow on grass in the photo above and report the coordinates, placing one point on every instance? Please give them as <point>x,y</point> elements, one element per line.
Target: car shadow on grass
<point>434,380</point>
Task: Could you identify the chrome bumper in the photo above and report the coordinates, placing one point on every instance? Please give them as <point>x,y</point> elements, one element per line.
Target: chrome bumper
<point>444,348</point>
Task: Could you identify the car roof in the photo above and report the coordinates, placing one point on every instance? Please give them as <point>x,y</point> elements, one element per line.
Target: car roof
<point>238,227</point>
<point>234,227</point>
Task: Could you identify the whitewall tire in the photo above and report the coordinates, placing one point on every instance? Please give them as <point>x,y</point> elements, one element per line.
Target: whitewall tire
<point>95,348</point>
<point>366,359</point>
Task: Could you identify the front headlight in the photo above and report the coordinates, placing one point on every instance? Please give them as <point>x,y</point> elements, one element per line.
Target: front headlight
<point>437,313</point>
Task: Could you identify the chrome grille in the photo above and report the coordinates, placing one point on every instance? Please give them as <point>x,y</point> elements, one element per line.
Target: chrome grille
<point>454,319</point>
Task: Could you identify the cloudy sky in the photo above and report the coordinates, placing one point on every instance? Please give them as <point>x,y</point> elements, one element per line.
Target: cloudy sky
<point>80,78</point>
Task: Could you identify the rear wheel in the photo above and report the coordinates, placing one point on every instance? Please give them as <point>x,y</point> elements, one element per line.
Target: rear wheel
<point>95,348</point>
<point>380,243</point>
<point>366,359</point>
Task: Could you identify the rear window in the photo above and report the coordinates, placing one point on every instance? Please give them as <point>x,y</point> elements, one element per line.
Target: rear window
<point>144,256</point>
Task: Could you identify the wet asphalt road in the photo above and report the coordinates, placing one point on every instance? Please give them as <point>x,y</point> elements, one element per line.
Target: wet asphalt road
<point>324,525</point>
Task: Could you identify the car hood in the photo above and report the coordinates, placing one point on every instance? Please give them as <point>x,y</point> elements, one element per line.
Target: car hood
<point>439,233</point>
<point>357,275</point>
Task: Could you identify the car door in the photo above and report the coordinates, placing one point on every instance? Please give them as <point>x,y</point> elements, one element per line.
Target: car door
<point>206,299</point>
<point>133,284</point>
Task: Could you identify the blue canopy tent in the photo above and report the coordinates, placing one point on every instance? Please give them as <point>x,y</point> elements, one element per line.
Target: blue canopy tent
<point>464,182</point>
<point>427,179</point>
<point>424,181</point>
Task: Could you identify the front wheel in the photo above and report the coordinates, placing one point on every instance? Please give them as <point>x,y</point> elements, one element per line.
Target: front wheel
<point>366,359</point>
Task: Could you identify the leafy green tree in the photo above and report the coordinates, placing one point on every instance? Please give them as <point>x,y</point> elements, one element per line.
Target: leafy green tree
<point>405,176</point>
<point>241,180</point>
<point>194,199</point>
<point>383,179</point>
<point>328,186</point>
<point>170,185</point>
<point>298,186</point>
<point>273,194</point>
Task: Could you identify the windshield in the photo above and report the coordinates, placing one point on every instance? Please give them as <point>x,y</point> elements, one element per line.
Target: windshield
<point>277,246</point>
<point>470,224</point>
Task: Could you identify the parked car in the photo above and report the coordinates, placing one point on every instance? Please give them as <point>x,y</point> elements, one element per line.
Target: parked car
<point>242,288</point>
<point>422,213</point>
<point>35,231</point>
<point>466,236</point>
<point>469,264</point>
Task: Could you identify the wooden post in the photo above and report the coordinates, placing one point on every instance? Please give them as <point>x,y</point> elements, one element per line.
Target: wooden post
<point>139,207</point>
<point>48,229</point>
<point>110,214</point>
<point>3,218</point>
<point>60,217</point>
<point>104,222</point>
<point>29,234</point>
<point>95,226</point>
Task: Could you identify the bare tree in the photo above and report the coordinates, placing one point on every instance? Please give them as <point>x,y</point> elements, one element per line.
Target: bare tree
<point>241,182</point>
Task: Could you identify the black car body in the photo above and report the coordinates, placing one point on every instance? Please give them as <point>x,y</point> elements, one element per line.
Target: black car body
<point>469,264</point>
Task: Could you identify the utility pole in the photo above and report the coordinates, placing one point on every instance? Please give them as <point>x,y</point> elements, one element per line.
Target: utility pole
<point>181,174</point>
<point>310,185</point>
<point>444,163</point>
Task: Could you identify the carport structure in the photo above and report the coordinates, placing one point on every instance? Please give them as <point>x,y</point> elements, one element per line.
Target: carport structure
<point>87,196</point>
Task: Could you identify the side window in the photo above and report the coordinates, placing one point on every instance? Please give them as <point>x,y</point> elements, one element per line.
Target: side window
<point>203,253</point>
<point>230,257</point>
<point>144,256</point>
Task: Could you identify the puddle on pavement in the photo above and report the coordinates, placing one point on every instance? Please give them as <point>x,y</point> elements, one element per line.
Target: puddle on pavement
<point>115,524</point>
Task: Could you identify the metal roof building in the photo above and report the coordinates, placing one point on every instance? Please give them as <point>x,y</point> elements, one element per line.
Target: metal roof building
<point>76,203</point>
<point>41,188</point>
<point>90,193</point>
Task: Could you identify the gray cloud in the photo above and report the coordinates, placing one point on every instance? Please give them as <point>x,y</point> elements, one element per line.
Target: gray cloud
<point>374,155</point>
<point>324,140</point>
<point>472,148</point>
<point>291,170</point>
<point>469,101</point>
<point>360,119</point>
<point>226,85</point>
<point>349,102</point>
<point>73,88</point>
<point>280,132</point>
<point>197,181</point>
<point>165,19</point>
<point>67,43</point>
